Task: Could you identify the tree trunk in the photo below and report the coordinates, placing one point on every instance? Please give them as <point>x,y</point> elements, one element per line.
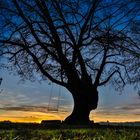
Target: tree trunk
<point>85,100</point>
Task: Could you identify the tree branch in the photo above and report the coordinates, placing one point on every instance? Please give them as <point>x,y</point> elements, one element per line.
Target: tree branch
<point>107,80</point>
<point>35,59</point>
<point>96,83</point>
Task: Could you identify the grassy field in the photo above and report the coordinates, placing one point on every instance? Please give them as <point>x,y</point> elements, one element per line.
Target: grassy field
<point>71,134</point>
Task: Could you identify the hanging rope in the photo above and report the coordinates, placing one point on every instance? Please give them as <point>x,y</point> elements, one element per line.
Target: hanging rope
<point>0,84</point>
<point>0,81</point>
<point>59,94</point>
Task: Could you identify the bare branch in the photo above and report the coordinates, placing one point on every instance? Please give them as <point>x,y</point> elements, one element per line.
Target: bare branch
<point>110,76</point>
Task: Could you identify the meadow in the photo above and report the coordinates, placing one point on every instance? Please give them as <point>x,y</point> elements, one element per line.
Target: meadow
<point>71,134</point>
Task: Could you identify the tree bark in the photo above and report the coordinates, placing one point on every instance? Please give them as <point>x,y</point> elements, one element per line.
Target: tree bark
<point>85,100</point>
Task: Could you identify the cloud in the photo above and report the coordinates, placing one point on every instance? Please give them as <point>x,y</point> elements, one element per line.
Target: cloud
<point>121,113</point>
<point>10,98</point>
<point>26,108</point>
<point>43,109</point>
<point>132,109</point>
<point>57,98</point>
<point>130,106</point>
<point>128,109</point>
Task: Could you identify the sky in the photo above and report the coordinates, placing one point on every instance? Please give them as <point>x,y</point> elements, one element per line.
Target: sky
<point>29,102</point>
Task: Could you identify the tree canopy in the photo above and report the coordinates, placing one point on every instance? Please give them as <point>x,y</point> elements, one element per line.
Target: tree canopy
<point>87,37</point>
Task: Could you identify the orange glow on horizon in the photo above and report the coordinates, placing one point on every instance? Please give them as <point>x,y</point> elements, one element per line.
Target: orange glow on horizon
<point>37,117</point>
<point>23,116</point>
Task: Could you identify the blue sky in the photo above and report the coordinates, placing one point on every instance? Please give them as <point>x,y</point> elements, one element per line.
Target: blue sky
<point>28,101</point>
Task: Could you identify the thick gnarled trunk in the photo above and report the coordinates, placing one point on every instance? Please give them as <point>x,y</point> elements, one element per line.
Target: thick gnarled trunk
<point>85,100</point>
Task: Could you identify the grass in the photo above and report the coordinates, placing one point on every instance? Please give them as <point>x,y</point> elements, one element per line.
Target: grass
<point>71,134</point>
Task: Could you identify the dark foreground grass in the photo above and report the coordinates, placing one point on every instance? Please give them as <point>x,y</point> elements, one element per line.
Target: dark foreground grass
<point>71,134</point>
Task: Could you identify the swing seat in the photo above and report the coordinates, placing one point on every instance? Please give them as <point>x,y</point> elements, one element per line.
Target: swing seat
<point>52,109</point>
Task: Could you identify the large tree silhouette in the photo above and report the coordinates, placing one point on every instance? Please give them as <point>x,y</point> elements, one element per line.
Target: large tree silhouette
<point>78,44</point>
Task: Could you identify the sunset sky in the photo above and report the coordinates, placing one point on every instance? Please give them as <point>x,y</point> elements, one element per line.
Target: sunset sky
<point>28,102</point>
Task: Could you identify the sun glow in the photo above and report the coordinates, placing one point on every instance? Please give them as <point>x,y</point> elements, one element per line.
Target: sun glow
<point>37,117</point>
<point>25,116</point>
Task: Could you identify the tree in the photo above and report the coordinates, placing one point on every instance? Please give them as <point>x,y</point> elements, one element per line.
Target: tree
<point>78,44</point>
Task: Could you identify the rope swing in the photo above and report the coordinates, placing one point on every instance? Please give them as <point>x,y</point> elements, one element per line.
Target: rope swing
<point>54,107</point>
